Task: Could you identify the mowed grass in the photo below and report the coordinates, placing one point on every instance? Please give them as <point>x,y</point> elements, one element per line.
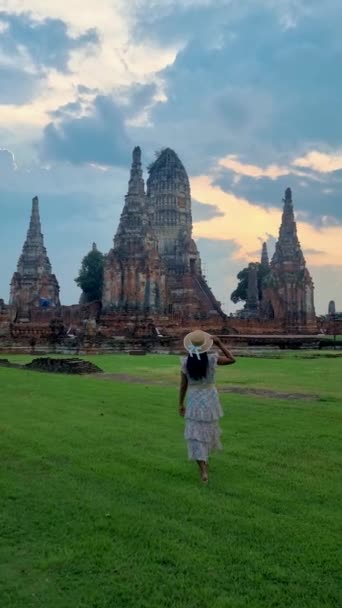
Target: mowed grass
<point>321,375</point>
<point>100,508</point>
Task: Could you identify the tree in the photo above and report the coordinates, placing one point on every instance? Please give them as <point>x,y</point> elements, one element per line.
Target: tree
<point>90,278</point>
<point>240,293</point>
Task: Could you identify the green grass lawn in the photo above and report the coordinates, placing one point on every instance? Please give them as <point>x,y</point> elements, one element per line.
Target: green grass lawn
<point>321,375</point>
<point>100,508</point>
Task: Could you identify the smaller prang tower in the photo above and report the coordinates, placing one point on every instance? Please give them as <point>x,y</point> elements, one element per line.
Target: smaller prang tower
<point>33,285</point>
<point>288,293</point>
<point>134,279</point>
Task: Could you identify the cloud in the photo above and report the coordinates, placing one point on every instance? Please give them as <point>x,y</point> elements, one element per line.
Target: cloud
<point>317,197</point>
<point>17,86</point>
<point>259,223</point>
<point>171,22</point>
<point>320,162</point>
<point>312,251</point>
<point>30,49</point>
<point>46,42</point>
<point>272,171</point>
<point>69,109</point>
<point>7,164</point>
<point>78,205</point>
<point>202,211</point>
<point>251,80</point>
<point>66,47</point>
<point>83,90</point>
<point>141,95</point>
<point>99,138</point>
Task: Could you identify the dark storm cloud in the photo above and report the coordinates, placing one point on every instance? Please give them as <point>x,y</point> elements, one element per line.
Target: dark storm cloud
<point>47,42</point>
<point>260,81</point>
<point>317,197</point>
<point>99,138</point>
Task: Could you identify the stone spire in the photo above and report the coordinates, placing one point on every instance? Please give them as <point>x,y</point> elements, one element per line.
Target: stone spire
<point>34,231</point>
<point>331,308</point>
<point>134,217</point>
<point>33,284</point>
<point>34,259</point>
<point>288,247</point>
<point>252,304</point>
<point>264,256</point>
<point>136,184</point>
<point>134,279</point>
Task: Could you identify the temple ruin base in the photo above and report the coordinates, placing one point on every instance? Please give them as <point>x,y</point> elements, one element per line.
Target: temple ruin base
<point>84,330</point>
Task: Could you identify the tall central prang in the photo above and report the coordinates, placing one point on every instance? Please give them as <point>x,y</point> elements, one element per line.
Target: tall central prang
<point>169,200</point>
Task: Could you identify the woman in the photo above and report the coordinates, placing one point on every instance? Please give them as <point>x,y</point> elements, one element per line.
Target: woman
<point>203,408</point>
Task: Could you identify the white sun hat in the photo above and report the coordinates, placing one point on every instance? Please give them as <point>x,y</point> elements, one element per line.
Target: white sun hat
<point>197,343</point>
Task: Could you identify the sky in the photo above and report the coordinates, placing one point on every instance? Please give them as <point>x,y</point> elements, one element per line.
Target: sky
<point>247,92</point>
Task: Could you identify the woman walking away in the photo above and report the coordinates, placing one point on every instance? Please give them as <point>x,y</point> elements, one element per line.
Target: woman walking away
<point>203,408</point>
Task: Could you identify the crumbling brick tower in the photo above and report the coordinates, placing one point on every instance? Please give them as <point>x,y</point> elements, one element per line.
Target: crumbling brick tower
<point>288,293</point>
<point>33,285</point>
<point>134,279</point>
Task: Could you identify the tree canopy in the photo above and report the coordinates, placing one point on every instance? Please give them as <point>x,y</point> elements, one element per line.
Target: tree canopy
<point>90,278</point>
<point>240,293</point>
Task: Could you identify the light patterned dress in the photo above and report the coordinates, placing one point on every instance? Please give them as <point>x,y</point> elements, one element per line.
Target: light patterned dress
<point>202,413</point>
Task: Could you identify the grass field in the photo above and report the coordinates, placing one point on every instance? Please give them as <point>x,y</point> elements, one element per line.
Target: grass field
<point>100,508</point>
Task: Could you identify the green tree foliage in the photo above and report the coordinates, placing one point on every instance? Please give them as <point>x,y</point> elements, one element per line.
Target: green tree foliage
<point>90,278</point>
<point>240,293</point>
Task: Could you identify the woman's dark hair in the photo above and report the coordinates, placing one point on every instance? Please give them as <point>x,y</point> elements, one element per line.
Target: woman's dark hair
<point>197,368</point>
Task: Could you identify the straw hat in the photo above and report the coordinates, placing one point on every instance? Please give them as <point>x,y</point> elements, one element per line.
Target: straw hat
<point>198,342</point>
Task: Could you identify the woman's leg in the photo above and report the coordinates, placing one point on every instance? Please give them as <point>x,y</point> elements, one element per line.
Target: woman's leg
<point>204,469</point>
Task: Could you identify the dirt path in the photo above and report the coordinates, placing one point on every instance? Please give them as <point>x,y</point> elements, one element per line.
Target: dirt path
<point>258,392</point>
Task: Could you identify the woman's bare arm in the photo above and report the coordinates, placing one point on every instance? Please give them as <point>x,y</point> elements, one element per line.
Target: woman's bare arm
<point>182,393</point>
<point>228,358</point>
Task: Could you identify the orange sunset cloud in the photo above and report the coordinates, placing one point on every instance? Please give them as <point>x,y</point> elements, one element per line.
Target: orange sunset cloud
<point>246,223</point>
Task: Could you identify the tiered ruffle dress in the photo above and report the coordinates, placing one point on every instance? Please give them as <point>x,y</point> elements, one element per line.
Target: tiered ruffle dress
<point>202,414</point>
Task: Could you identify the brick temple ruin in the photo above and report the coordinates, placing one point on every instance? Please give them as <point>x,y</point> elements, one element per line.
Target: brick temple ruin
<point>153,280</point>
<point>287,287</point>
<point>154,266</point>
<point>33,284</point>
<point>288,290</point>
